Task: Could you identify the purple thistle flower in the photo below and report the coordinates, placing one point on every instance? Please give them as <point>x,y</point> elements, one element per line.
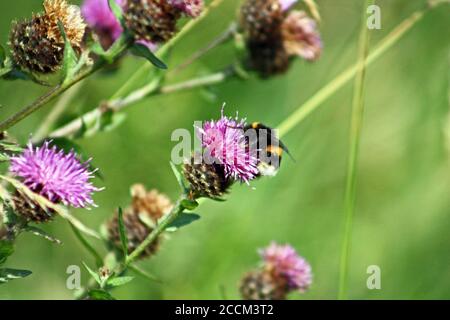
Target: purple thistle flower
<point>224,140</point>
<point>55,175</point>
<point>286,4</point>
<point>192,8</point>
<point>99,17</point>
<point>284,261</point>
<point>301,36</point>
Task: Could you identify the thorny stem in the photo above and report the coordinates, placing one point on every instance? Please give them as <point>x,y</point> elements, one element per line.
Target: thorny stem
<point>151,89</point>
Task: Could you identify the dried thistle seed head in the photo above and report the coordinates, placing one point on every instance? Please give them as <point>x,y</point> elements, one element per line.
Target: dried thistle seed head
<point>206,180</point>
<point>71,19</point>
<point>37,44</point>
<point>136,231</point>
<point>152,20</point>
<point>31,48</point>
<point>261,285</point>
<point>30,210</point>
<point>152,203</point>
<point>301,36</point>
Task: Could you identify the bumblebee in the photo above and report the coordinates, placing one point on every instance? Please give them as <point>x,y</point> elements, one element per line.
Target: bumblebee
<point>268,146</point>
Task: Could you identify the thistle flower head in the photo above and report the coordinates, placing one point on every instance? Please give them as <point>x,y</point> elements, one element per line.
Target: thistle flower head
<point>101,20</point>
<point>275,33</point>
<point>301,36</point>
<point>192,8</point>
<point>224,140</point>
<point>58,176</point>
<point>284,261</point>
<point>37,44</point>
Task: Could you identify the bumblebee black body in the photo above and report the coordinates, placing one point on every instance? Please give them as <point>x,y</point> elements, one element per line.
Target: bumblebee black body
<point>270,147</point>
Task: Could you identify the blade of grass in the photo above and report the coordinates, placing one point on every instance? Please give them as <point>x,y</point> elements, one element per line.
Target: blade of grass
<point>338,82</point>
<point>355,138</point>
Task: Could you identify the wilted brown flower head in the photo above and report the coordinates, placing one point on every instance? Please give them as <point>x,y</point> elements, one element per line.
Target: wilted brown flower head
<point>37,44</point>
<point>146,206</point>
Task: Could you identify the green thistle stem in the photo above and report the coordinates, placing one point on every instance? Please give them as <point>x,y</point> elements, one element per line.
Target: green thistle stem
<point>149,90</point>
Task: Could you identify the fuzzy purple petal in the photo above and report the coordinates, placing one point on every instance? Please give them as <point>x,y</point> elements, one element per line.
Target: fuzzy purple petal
<point>286,4</point>
<point>192,8</point>
<point>58,176</point>
<point>99,17</point>
<point>284,260</point>
<point>225,141</point>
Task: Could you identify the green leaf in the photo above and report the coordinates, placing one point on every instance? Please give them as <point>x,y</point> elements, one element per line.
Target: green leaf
<point>8,274</point>
<point>143,51</point>
<point>41,233</point>
<point>6,249</point>
<point>93,274</point>
<point>70,57</point>
<point>116,10</point>
<point>189,204</point>
<point>179,177</point>
<point>119,281</point>
<point>183,219</point>
<point>88,246</point>
<point>98,294</point>
<point>123,234</point>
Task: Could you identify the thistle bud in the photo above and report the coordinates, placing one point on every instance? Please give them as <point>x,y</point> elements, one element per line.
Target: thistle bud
<point>206,180</point>
<point>261,285</point>
<point>155,21</point>
<point>30,210</point>
<point>153,205</point>
<point>37,45</point>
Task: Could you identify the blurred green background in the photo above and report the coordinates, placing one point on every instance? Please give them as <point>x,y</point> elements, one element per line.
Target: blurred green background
<point>402,217</point>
